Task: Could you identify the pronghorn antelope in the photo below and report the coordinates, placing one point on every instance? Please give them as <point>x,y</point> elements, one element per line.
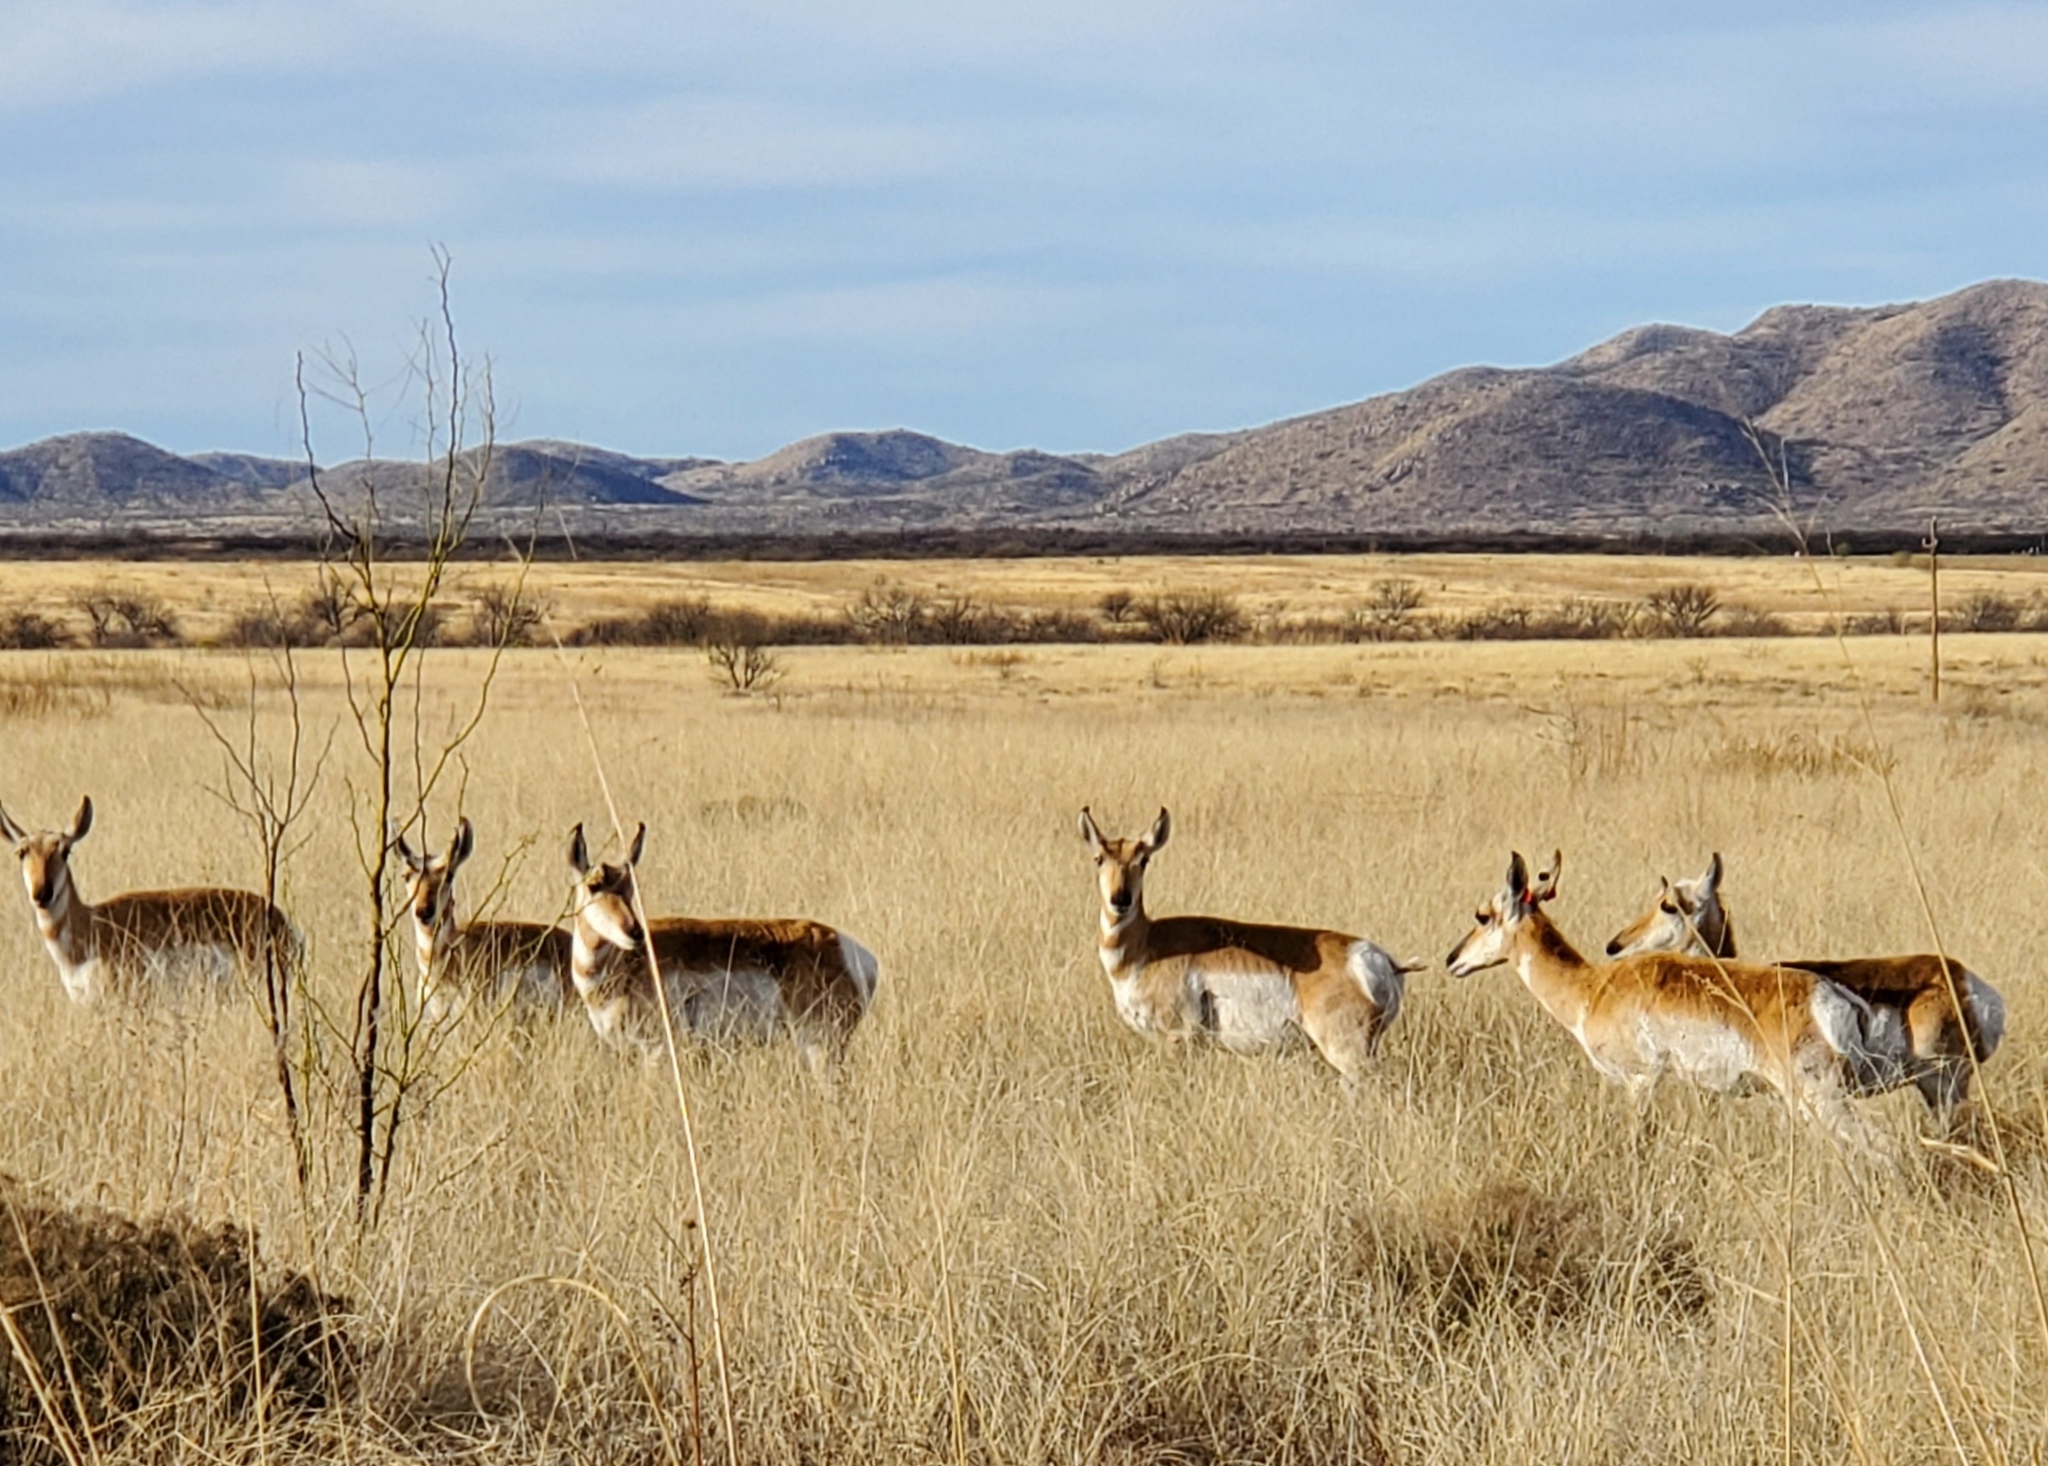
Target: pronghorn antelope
<point>1910,998</point>
<point>142,943</point>
<point>505,964</point>
<point>725,980</point>
<point>1721,1025</point>
<point>1249,988</point>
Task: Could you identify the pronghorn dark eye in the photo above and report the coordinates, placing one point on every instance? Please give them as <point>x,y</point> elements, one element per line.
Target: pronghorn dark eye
<point>1667,908</point>
<point>1485,918</point>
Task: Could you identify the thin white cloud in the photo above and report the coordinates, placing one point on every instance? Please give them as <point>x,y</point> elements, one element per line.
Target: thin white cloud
<point>919,313</point>
<point>380,194</point>
<point>738,142</point>
<point>63,51</point>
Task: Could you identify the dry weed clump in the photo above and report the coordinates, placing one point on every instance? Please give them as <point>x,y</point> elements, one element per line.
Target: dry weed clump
<point>1800,755</point>
<point>1505,1255</point>
<point>51,693</point>
<point>109,1320</point>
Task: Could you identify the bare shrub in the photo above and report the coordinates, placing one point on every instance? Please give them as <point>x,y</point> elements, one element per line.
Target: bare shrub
<point>1183,618</point>
<point>889,612</point>
<point>963,621</point>
<point>682,621</point>
<point>1117,606</point>
<point>128,619</point>
<point>1680,610</point>
<point>270,626</point>
<point>327,610</point>
<point>507,615</point>
<point>1511,621</point>
<point>1588,618</point>
<point>1890,621</point>
<point>30,631</point>
<point>741,663</point>
<point>1988,611</point>
<point>1740,620</point>
<point>1390,607</point>
<point>1594,738</point>
<point>1069,627</point>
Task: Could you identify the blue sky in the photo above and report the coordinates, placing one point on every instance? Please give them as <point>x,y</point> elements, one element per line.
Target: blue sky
<point>1081,224</point>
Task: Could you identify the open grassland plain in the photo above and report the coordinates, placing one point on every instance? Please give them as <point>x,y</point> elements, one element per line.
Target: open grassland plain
<point>1008,1229</point>
<point>1280,596</point>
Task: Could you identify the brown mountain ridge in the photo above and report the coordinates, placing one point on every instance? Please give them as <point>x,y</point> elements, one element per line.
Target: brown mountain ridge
<point>1880,416</point>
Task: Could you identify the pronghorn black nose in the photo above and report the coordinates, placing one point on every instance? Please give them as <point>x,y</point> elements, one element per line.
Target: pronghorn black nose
<point>42,894</point>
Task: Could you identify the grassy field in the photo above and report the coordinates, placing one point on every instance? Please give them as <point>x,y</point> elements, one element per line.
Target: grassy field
<point>208,595</point>
<point>1010,1229</point>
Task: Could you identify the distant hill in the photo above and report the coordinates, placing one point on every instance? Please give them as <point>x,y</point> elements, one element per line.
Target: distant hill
<point>1879,415</point>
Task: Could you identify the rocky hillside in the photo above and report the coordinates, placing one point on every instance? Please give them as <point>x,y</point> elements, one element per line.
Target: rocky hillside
<point>1878,416</point>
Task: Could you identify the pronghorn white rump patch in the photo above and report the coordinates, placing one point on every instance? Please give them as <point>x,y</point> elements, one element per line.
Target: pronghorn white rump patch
<point>1989,1009</point>
<point>865,970</point>
<point>1375,970</point>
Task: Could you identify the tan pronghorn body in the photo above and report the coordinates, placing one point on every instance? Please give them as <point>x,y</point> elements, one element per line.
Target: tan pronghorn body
<point>1727,1026</point>
<point>508,966</point>
<point>726,980</point>
<point>1910,998</point>
<point>1246,987</point>
<point>143,943</point>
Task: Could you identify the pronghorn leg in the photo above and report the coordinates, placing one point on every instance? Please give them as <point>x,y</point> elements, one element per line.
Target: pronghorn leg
<point>1344,1034</point>
<point>1642,1094</point>
<point>1945,1086</point>
<point>1827,1103</point>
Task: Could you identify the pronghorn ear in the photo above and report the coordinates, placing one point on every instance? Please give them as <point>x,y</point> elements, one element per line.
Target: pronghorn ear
<point>405,853</point>
<point>579,853</point>
<point>1518,878</point>
<point>10,829</point>
<point>639,843</point>
<point>1712,879</point>
<point>80,822</point>
<point>1156,836</point>
<point>1545,887</point>
<point>463,843</point>
<point>1090,831</point>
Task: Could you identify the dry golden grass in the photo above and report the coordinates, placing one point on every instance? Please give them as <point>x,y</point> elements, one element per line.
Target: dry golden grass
<point>208,595</point>
<point>1013,1231</point>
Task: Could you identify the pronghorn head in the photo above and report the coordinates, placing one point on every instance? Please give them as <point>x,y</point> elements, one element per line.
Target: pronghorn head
<point>430,879</point>
<point>45,855</point>
<point>1687,917</point>
<point>605,893</point>
<point>1500,920</point>
<point>1120,865</point>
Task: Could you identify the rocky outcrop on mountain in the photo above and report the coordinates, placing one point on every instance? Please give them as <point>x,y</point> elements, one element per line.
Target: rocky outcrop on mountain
<point>1854,418</point>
